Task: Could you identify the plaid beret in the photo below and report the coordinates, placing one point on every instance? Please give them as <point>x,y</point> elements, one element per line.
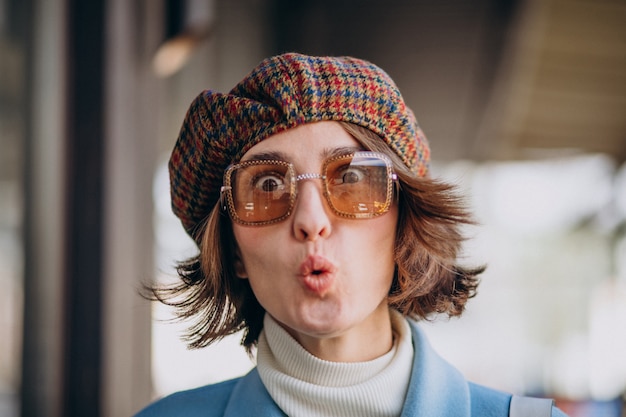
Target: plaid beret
<point>283,92</point>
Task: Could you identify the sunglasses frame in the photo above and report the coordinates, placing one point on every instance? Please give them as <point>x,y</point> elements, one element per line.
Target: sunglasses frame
<point>227,201</point>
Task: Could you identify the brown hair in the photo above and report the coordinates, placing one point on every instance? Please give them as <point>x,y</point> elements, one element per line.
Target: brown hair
<point>427,280</point>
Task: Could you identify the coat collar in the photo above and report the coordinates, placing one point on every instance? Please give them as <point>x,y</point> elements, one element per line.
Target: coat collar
<point>436,388</point>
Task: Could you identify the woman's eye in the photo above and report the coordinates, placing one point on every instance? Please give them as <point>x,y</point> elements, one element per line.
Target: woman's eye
<point>269,183</point>
<point>349,176</point>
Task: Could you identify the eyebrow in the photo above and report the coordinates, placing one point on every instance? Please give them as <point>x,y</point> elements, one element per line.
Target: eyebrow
<point>281,156</point>
<point>262,156</point>
<point>329,153</point>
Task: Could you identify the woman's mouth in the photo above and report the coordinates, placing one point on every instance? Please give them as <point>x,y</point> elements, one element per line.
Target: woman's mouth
<point>317,274</point>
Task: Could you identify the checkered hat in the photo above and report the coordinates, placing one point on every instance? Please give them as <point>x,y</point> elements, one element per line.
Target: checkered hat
<point>280,93</point>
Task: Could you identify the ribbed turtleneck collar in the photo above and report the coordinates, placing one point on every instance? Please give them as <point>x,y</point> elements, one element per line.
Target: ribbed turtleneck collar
<point>304,385</point>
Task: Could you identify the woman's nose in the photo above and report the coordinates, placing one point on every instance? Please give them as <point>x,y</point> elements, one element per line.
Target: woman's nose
<point>311,216</point>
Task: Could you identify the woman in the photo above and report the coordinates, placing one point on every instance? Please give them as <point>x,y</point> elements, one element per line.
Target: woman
<point>323,238</point>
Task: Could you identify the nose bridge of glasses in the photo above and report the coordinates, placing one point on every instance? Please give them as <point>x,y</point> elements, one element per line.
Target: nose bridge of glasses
<point>310,176</point>
<point>311,200</point>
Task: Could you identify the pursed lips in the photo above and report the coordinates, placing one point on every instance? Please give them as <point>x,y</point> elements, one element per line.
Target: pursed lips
<point>317,274</point>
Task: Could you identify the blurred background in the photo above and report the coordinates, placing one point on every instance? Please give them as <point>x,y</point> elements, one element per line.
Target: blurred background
<point>524,104</point>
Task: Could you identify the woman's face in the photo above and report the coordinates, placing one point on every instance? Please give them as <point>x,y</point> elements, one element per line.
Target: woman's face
<point>324,278</point>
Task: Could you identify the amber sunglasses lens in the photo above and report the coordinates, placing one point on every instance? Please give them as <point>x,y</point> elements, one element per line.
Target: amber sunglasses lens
<point>359,185</point>
<point>261,192</point>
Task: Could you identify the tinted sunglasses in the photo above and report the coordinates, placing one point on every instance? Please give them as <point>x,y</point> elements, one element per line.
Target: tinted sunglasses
<point>357,185</point>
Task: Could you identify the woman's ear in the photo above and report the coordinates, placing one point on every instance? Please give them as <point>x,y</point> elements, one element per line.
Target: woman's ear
<point>240,268</point>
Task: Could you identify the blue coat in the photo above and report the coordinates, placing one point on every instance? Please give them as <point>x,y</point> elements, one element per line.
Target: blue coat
<point>436,389</point>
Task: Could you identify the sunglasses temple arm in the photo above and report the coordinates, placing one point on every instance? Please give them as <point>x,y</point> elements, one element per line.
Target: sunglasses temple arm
<point>222,201</point>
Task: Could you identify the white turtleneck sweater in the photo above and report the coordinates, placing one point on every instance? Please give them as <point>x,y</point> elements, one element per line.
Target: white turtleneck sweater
<point>305,386</point>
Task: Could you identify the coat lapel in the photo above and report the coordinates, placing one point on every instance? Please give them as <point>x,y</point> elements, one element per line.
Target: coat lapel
<point>436,387</point>
<point>250,398</point>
